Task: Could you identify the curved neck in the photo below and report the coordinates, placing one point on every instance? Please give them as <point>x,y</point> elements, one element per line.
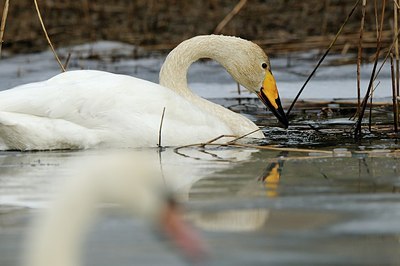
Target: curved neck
<point>173,73</point>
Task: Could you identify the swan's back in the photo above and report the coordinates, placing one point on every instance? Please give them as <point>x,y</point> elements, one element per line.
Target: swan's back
<point>82,109</point>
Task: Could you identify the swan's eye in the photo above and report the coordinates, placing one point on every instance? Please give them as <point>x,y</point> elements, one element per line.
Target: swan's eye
<point>264,65</point>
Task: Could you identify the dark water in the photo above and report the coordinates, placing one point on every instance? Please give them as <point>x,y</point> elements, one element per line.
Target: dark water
<point>253,207</point>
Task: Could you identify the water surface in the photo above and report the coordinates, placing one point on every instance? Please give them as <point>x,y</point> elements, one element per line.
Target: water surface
<point>252,206</point>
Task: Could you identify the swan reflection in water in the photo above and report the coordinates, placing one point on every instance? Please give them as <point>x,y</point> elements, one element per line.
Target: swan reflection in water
<point>247,219</point>
<point>272,175</point>
<point>31,179</point>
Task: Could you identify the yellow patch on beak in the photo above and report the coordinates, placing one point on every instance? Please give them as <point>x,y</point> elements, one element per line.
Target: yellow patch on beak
<point>269,95</point>
<point>269,89</point>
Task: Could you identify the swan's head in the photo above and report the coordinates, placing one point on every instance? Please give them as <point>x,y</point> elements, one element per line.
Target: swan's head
<point>250,66</point>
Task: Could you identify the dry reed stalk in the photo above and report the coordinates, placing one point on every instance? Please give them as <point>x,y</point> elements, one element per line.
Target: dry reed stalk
<point>370,108</point>
<point>359,55</point>
<point>312,153</point>
<point>218,138</point>
<point>238,88</point>
<point>298,158</point>
<point>230,16</point>
<point>376,76</point>
<point>275,148</point>
<point>323,57</point>
<point>377,40</point>
<point>67,61</point>
<point>47,36</point>
<point>394,93</point>
<point>240,145</point>
<point>396,9</point>
<point>3,22</point>
<point>357,131</point>
<point>376,19</point>
<point>387,55</point>
<point>160,129</point>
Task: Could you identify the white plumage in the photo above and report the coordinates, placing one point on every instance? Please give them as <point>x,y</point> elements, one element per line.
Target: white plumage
<point>88,108</point>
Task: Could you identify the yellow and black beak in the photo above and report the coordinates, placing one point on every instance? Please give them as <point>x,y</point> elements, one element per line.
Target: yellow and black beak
<point>268,94</point>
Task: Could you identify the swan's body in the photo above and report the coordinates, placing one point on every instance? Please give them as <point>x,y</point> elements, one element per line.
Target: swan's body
<point>86,108</point>
<point>83,109</point>
<point>131,182</point>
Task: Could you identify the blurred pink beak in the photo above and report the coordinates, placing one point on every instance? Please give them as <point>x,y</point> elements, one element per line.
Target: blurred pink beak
<point>181,234</point>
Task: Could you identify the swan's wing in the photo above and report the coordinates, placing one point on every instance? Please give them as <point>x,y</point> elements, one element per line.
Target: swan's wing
<point>29,132</point>
<point>81,97</point>
<point>122,110</point>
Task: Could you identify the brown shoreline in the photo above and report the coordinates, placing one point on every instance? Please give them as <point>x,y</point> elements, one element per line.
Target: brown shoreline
<point>279,26</point>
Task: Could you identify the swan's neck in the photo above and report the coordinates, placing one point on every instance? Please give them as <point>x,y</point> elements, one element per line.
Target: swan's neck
<point>174,71</point>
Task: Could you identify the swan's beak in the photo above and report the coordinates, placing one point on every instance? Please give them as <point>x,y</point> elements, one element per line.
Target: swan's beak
<point>269,95</point>
<point>181,234</point>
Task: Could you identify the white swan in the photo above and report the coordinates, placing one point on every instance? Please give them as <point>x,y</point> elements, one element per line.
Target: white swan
<point>133,183</point>
<point>86,108</point>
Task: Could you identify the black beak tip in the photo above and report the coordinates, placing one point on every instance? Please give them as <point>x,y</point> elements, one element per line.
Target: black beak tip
<point>283,120</point>
<point>280,114</point>
<point>285,124</point>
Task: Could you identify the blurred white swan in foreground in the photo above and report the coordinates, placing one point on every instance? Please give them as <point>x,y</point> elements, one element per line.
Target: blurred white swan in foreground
<point>87,108</point>
<point>57,236</point>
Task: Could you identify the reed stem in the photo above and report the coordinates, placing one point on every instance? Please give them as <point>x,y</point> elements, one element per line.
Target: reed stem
<point>394,94</point>
<point>323,57</point>
<point>230,16</point>
<point>3,23</point>
<point>359,55</point>
<point>160,129</point>
<point>357,131</point>
<point>47,36</point>
<point>396,9</point>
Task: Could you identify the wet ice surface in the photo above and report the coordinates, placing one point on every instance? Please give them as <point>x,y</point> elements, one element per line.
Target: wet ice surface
<point>253,207</point>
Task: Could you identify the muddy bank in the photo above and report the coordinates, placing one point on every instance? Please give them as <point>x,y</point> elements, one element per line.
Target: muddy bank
<point>280,26</point>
